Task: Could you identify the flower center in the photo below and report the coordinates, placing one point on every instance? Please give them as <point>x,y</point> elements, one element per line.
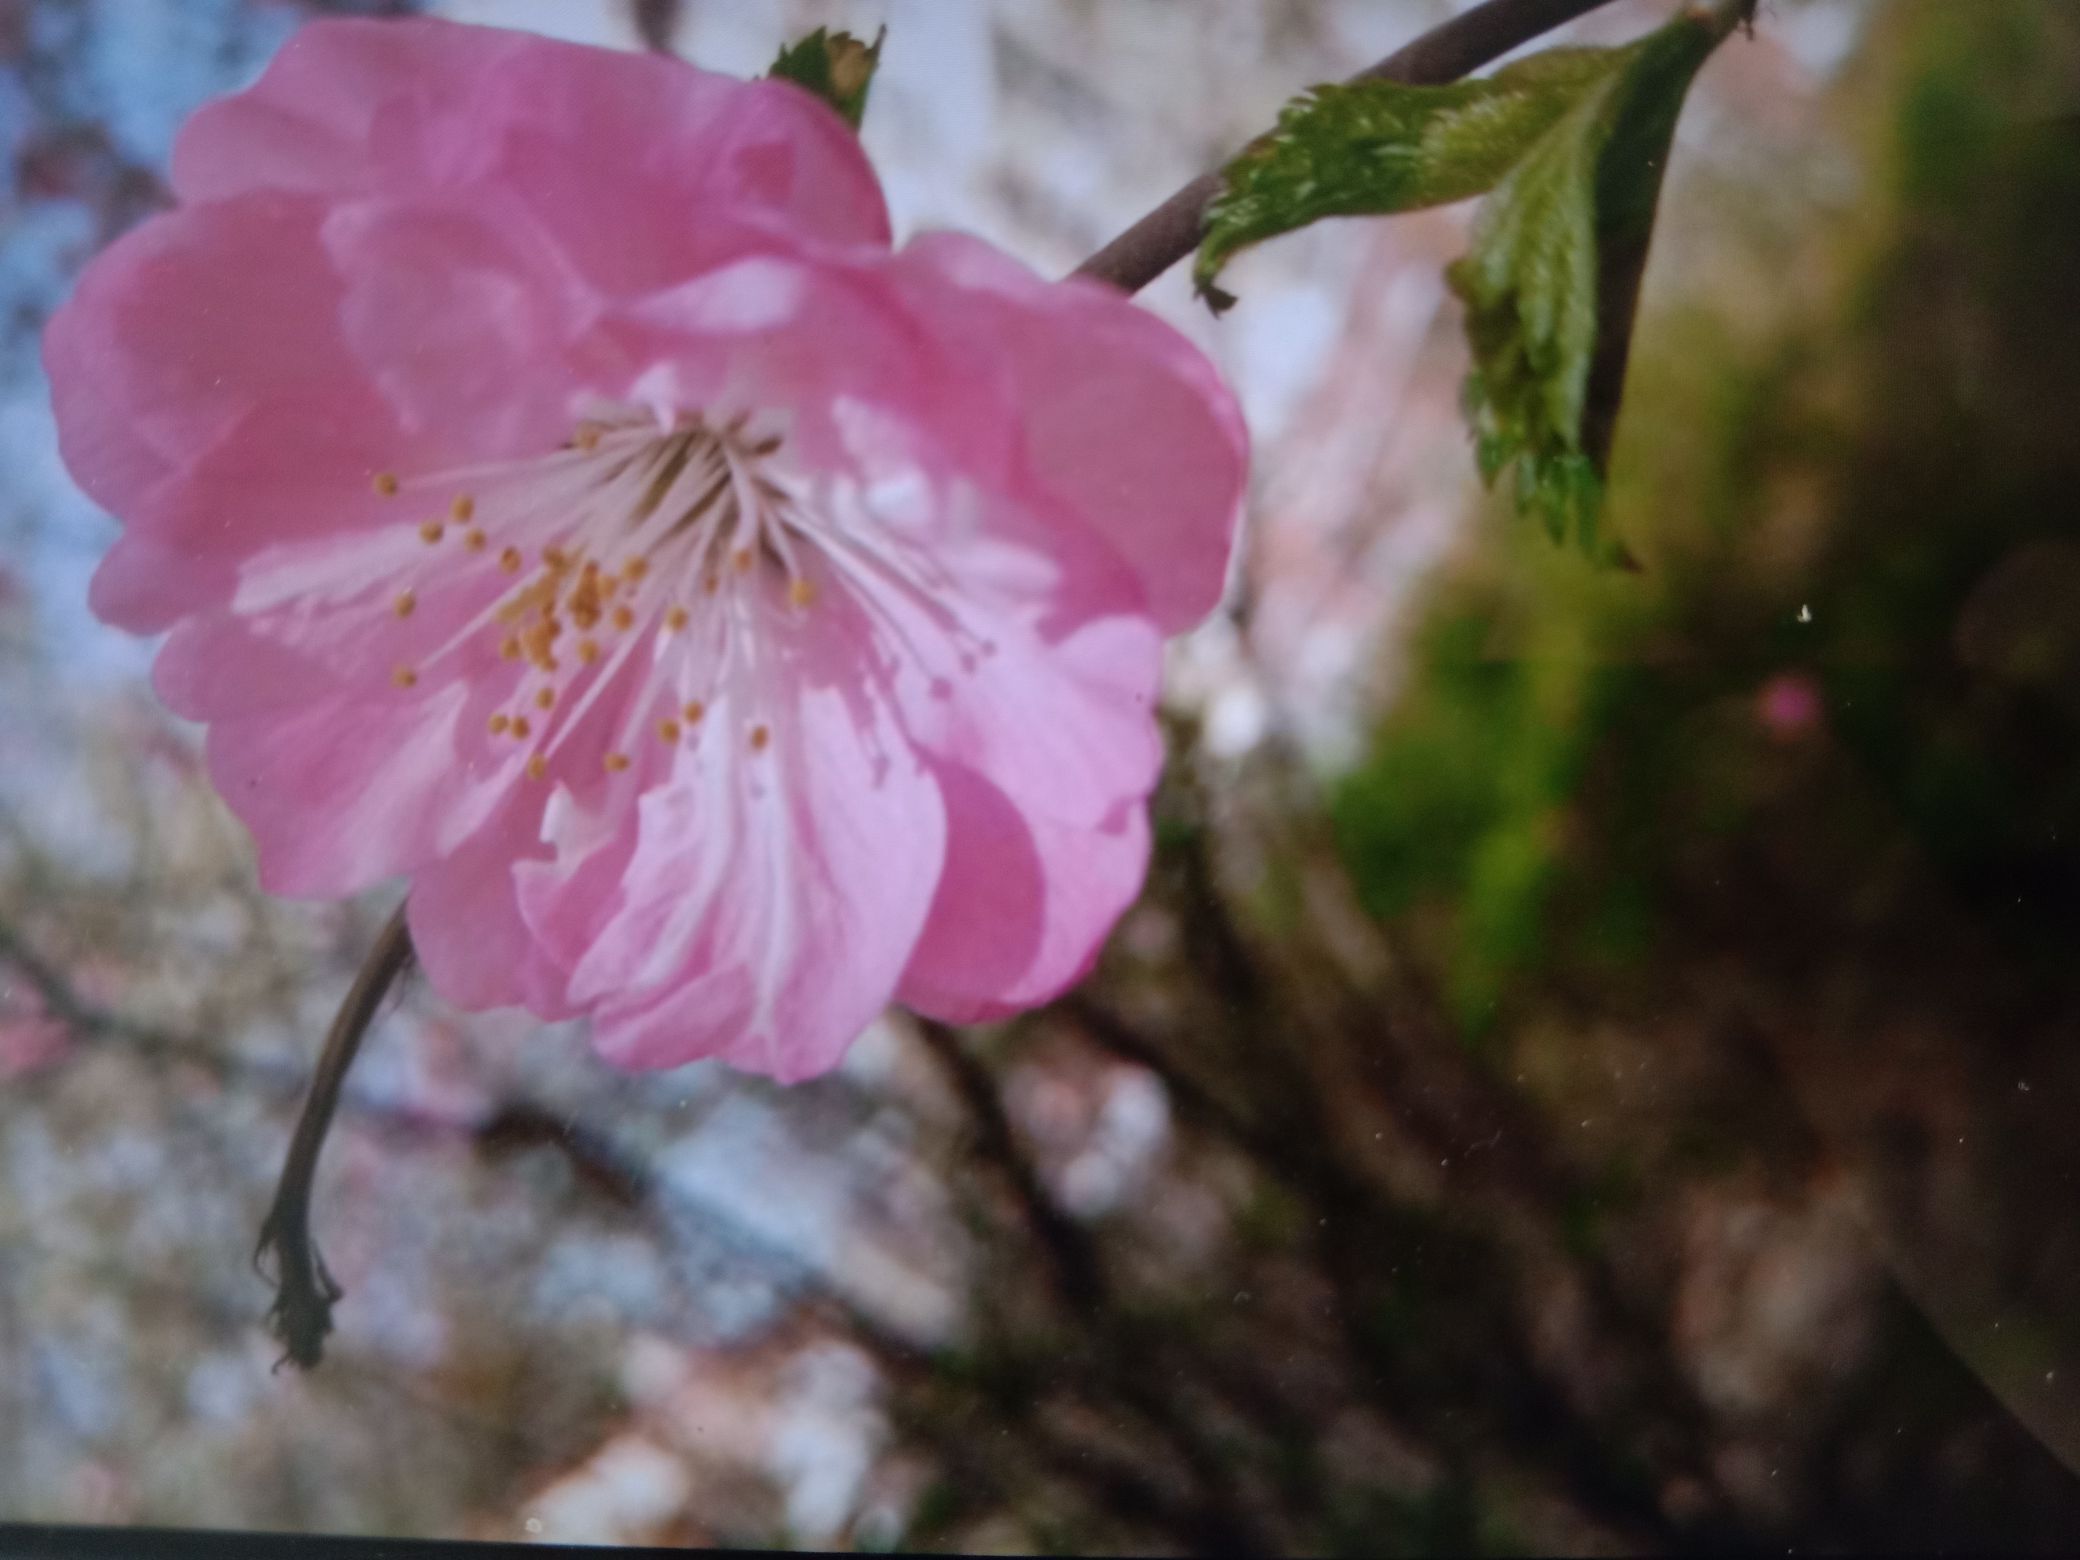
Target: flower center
<point>635,545</point>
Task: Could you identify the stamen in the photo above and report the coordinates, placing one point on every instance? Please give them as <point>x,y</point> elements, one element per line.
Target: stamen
<point>385,484</point>
<point>584,529</point>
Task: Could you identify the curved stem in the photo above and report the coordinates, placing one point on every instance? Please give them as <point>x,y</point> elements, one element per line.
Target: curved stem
<point>304,1289</point>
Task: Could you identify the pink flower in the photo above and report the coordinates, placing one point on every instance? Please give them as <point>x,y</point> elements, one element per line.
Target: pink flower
<point>560,493</point>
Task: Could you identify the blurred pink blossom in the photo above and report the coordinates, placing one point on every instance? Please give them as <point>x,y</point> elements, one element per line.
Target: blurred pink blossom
<point>30,1039</point>
<point>560,493</point>
<point>29,1044</point>
<point>1789,705</point>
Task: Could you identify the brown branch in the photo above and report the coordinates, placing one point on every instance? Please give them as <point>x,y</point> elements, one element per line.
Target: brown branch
<point>1072,1263</point>
<point>65,1004</point>
<point>1445,53</point>
<point>305,1290</point>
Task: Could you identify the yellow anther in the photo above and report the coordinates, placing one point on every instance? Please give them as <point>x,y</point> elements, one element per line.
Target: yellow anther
<point>544,698</point>
<point>404,603</point>
<point>669,731</point>
<point>432,531</point>
<point>693,711</point>
<point>623,618</point>
<point>405,677</point>
<point>385,484</point>
<point>800,591</point>
<point>616,762</point>
<point>521,729</point>
<point>473,539</point>
<point>509,560</point>
<point>510,649</point>
<point>556,558</point>
<point>711,585</point>
<point>463,507</point>
<point>741,560</point>
<point>676,619</point>
<point>538,639</point>
<point>537,766</point>
<point>585,599</point>
<point>497,725</point>
<point>760,736</point>
<point>635,569</point>
<point>588,650</point>
<point>587,436</point>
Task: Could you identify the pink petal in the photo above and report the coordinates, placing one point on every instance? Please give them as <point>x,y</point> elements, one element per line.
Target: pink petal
<point>773,897</point>
<point>461,312</point>
<point>310,122</point>
<point>1062,722</point>
<point>467,928</point>
<point>290,471</point>
<point>187,324</point>
<point>146,586</point>
<point>1126,422</point>
<point>401,105</point>
<point>342,794</point>
<point>688,148</point>
<point>1024,906</point>
<point>815,336</point>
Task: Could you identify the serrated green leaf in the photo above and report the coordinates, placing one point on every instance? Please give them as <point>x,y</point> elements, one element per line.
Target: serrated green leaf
<point>1552,278</point>
<point>837,67</point>
<point>1372,148</point>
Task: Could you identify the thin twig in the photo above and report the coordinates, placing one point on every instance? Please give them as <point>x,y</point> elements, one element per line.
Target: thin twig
<point>305,1290</point>
<point>64,1004</point>
<point>657,23</point>
<point>1445,53</point>
<point>1072,1263</point>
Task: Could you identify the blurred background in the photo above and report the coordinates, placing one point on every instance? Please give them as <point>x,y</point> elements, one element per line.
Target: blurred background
<point>1595,1066</point>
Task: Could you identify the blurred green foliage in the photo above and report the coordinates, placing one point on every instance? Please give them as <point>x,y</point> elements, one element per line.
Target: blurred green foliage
<point>1854,533</point>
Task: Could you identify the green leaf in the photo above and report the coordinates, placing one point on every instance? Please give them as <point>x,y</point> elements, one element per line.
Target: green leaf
<point>836,66</point>
<point>1372,148</point>
<point>1552,281</point>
